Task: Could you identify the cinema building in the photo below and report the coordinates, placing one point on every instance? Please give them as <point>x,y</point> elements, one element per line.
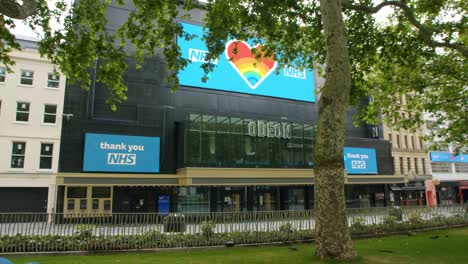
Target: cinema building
<point>242,141</point>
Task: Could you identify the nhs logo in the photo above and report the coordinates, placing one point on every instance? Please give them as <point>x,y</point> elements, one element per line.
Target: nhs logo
<point>294,73</point>
<point>196,55</point>
<point>358,164</point>
<point>121,153</point>
<point>121,159</point>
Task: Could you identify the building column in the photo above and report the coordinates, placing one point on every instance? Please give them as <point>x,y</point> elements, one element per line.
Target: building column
<point>51,198</point>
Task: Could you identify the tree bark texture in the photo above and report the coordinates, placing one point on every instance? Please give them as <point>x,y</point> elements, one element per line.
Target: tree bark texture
<point>13,9</point>
<point>332,234</point>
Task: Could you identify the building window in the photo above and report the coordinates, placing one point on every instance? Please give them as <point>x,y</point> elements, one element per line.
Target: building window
<point>22,111</point>
<point>50,113</point>
<point>461,168</point>
<point>401,165</point>
<point>46,156</point>
<point>409,163</point>
<point>416,165</point>
<point>406,141</point>
<point>2,74</point>
<point>412,142</point>
<point>17,155</point>
<point>27,77</point>
<point>53,80</point>
<point>398,141</point>
<point>421,143</point>
<point>423,160</point>
<point>440,167</point>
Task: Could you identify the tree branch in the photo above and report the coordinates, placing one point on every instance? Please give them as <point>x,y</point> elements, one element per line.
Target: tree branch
<point>12,9</point>
<point>425,32</point>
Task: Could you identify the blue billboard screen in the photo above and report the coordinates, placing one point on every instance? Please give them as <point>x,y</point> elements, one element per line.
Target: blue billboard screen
<point>120,153</point>
<point>360,160</point>
<point>448,157</point>
<point>243,73</point>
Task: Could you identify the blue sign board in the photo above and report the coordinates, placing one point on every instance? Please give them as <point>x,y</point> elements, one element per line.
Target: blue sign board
<point>163,204</point>
<point>360,160</point>
<point>237,70</point>
<point>448,157</point>
<point>119,153</point>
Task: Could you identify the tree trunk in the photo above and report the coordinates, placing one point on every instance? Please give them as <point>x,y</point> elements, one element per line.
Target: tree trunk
<point>332,233</point>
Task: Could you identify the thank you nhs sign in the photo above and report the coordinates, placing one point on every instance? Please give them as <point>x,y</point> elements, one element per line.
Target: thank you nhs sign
<point>238,70</point>
<point>118,153</point>
<point>360,160</point>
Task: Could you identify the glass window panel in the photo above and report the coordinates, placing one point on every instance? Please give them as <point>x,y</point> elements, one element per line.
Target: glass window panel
<point>27,77</point>
<point>95,204</point>
<point>50,114</point>
<point>208,123</point>
<point>45,163</point>
<point>262,153</point>
<point>47,149</point>
<point>83,204</point>
<point>193,147</point>
<point>23,117</point>
<point>208,147</point>
<point>17,155</point>
<point>53,80</point>
<point>275,152</point>
<point>195,121</point>
<point>50,109</point>
<point>22,111</point>
<point>2,74</point>
<point>19,147</point>
<point>236,149</point>
<point>222,124</point>
<point>308,131</point>
<point>296,199</point>
<point>49,119</point>
<point>70,204</point>
<point>17,162</point>
<point>77,192</point>
<point>249,151</point>
<point>46,156</point>
<point>101,192</point>
<point>286,153</point>
<point>107,205</point>
<point>22,106</point>
<point>236,125</point>
<point>222,148</point>
<point>193,199</point>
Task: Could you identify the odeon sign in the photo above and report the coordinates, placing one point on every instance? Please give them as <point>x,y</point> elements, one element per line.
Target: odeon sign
<point>270,129</point>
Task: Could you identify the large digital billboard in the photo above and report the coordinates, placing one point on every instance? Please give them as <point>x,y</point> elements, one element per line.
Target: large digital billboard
<point>360,160</point>
<point>121,153</point>
<point>237,70</point>
<point>448,157</point>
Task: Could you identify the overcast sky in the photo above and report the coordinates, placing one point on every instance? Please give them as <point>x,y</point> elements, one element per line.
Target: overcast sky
<point>24,31</point>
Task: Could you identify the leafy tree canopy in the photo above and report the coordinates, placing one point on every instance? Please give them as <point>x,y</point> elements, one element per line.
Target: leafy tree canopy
<point>420,52</point>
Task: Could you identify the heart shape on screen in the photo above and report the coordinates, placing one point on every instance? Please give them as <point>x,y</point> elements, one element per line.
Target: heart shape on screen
<point>251,70</point>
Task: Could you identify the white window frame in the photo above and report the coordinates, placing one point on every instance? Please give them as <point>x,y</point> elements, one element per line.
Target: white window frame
<point>49,114</point>
<point>51,156</point>
<point>53,80</point>
<point>27,78</point>
<point>18,155</point>
<point>19,111</point>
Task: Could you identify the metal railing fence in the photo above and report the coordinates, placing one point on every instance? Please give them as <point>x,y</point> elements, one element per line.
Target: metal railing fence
<point>21,232</point>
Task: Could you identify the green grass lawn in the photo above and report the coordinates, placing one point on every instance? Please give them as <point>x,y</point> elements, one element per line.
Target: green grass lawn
<point>451,246</point>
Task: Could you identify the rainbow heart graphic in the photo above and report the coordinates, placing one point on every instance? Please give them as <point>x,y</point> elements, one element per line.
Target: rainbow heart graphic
<point>253,72</point>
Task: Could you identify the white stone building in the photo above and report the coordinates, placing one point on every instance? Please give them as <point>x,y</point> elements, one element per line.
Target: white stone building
<point>31,104</point>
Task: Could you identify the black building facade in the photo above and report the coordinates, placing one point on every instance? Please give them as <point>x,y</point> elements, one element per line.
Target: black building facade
<point>213,155</point>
